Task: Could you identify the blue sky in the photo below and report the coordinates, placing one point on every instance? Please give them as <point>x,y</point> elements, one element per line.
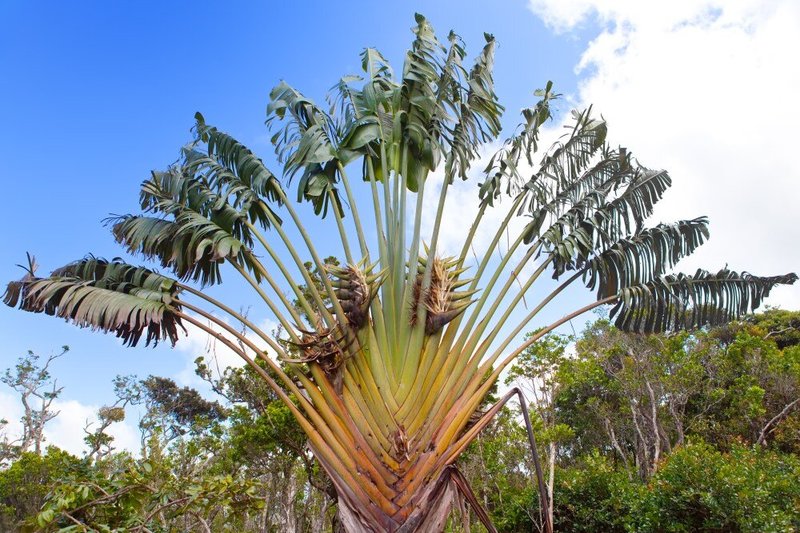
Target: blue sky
<point>94,95</point>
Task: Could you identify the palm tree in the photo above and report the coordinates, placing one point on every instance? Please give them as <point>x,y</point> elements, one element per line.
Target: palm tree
<point>389,357</point>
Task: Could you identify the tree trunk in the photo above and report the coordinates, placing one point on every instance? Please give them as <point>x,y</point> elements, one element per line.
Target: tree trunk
<point>289,519</point>
<point>427,514</point>
<point>654,422</point>
<point>551,480</point>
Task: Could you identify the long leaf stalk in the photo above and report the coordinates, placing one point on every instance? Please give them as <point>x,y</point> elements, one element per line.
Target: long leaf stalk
<point>456,421</point>
<point>471,331</point>
<point>351,199</point>
<point>454,371</point>
<point>319,428</point>
<point>523,323</point>
<point>450,367</point>
<point>301,298</point>
<point>374,385</point>
<point>376,308</point>
<point>338,216</point>
<point>310,285</point>
<point>465,381</point>
<point>317,261</point>
<point>452,329</point>
<point>488,254</point>
<point>409,357</point>
<point>411,366</point>
<point>467,376</point>
<point>537,465</point>
<point>389,290</point>
<point>500,297</point>
<point>239,317</point>
<point>375,422</point>
<point>330,398</point>
<point>259,352</point>
<point>446,350</point>
<point>399,238</point>
<point>337,418</point>
<point>264,273</point>
<point>272,307</point>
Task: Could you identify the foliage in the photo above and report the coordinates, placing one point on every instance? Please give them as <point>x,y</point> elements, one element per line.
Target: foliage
<point>781,325</point>
<point>697,488</point>
<point>25,484</point>
<point>702,489</point>
<point>250,473</point>
<point>387,359</point>
<point>638,397</point>
<point>141,495</point>
<point>594,495</point>
<point>183,407</point>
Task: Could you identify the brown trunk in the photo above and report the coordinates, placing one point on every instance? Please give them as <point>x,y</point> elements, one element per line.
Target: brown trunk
<point>428,515</point>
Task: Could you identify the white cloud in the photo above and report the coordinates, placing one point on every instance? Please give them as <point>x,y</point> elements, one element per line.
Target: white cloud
<point>707,90</point>
<point>66,430</point>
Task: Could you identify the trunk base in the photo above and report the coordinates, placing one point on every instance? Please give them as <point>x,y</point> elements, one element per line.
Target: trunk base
<point>429,514</point>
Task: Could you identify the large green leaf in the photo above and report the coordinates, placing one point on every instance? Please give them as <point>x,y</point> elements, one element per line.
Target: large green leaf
<point>566,160</point>
<point>600,219</point>
<point>201,231</point>
<point>420,106</point>
<point>192,246</point>
<point>119,276</point>
<point>604,177</point>
<point>233,172</point>
<point>645,256</point>
<point>478,118</point>
<point>308,144</point>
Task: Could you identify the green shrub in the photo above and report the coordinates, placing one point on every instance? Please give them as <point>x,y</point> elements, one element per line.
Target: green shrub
<point>593,496</point>
<point>24,485</point>
<point>700,489</point>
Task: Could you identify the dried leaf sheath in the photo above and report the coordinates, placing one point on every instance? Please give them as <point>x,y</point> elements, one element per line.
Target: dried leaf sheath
<point>440,300</point>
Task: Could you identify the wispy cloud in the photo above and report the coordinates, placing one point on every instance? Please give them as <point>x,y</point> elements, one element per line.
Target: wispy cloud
<point>66,430</point>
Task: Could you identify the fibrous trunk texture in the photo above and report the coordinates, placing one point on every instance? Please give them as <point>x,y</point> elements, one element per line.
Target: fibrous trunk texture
<point>425,514</point>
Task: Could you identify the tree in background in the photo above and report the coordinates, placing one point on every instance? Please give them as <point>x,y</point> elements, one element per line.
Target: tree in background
<point>646,395</point>
<point>26,484</point>
<point>397,349</point>
<point>37,391</point>
<point>715,391</point>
